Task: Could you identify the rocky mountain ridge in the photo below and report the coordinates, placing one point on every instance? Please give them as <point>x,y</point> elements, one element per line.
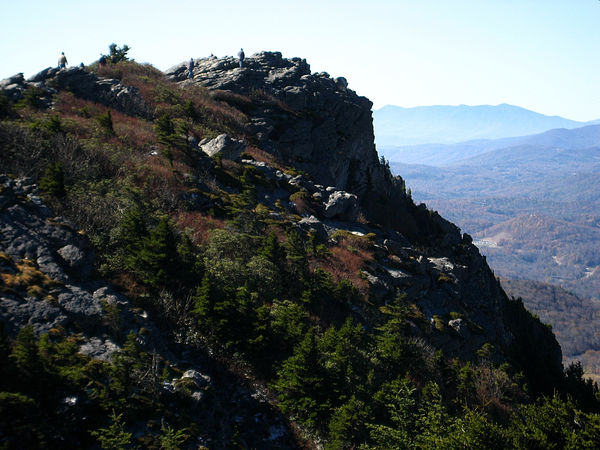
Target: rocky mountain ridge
<point>324,129</point>
<point>302,165</point>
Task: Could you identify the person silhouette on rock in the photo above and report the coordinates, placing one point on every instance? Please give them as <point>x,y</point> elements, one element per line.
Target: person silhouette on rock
<point>62,61</point>
<point>241,55</point>
<point>191,68</point>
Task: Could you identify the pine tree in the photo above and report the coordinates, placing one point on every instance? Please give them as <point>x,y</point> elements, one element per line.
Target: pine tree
<point>53,181</point>
<point>25,352</point>
<point>296,255</point>
<point>302,384</point>
<point>114,437</point>
<point>273,251</point>
<point>133,233</point>
<point>204,303</point>
<point>158,259</point>
<point>347,425</point>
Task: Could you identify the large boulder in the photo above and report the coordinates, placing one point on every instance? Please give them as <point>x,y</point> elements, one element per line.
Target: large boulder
<point>341,205</point>
<point>223,145</point>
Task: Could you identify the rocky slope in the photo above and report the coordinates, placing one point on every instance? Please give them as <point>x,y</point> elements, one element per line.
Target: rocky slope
<point>319,176</point>
<point>326,130</point>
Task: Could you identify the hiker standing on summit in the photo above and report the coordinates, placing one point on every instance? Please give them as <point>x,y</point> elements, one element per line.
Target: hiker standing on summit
<point>62,61</point>
<point>191,68</point>
<point>241,56</point>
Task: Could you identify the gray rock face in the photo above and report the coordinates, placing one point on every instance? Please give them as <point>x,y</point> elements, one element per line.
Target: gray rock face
<point>99,348</point>
<point>460,327</point>
<point>229,148</point>
<point>200,380</point>
<point>342,205</point>
<point>311,119</point>
<point>57,258</point>
<point>83,84</point>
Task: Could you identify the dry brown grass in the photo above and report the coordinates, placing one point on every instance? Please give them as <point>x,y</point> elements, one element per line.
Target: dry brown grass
<point>348,258</point>
<point>198,225</point>
<point>161,94</point>
<point>78,118</point>
<point>144,77</point>
<point>133,131</point>
<point>347,264</point>
<point>68,104</point>
<point>263,156</point>
<point>27,277</point>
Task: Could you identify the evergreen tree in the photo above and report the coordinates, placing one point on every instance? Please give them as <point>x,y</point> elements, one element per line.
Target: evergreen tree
<point>165,130</point>
<point>157,261</point>
<point>117,54</point>
<point>114,437</point>
<point>302,383</point>
<point>25,352</point>
<point>396,403</point>
<point>273,251</point>
<point>347,425</point>
<point>433,421</point>
<point>204,303</point>
<point>133,233</point>
<point>53,181</point>
<point>346,360</point>
<point>296,255</point>
<point>105,121</point>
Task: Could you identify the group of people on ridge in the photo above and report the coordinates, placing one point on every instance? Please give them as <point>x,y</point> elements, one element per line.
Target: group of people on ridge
<point>190,66</point>
<point>62,62</point>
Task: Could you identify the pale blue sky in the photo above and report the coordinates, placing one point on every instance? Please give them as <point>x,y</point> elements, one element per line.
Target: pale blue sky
<point>538,54</point>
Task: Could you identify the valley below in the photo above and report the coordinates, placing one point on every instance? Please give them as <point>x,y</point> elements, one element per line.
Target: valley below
<point>532,206</point>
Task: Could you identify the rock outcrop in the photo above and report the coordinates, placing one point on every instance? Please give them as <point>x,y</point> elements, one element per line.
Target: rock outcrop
<point>311,120</point>
<point>449,280</point>
<point>83,84</point>
<point>321,128</point>
<point>46,269</point>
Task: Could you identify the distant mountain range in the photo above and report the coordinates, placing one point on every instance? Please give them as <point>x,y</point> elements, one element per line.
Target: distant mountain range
<point>396,126</point>
<point>487,151</point>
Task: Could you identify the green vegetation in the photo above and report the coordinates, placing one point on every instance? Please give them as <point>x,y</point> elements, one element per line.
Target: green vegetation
<point>247,289</point>
<point>53,182</point>
<point>117,54</point>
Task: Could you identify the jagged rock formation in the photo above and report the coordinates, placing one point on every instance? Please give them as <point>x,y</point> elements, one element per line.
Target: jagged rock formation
<point>323,128</point>
<point>80,82</point>
<point>444,284</point>
<point>320,126</point>
<point>311,120</point>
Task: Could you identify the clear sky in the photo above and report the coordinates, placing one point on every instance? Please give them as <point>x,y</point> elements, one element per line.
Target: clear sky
<point>537,54</point>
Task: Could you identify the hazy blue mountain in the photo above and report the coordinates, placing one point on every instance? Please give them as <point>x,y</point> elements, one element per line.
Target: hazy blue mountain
<point>552,148</point>
<point>396,126</point>
<point>471,152</point>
